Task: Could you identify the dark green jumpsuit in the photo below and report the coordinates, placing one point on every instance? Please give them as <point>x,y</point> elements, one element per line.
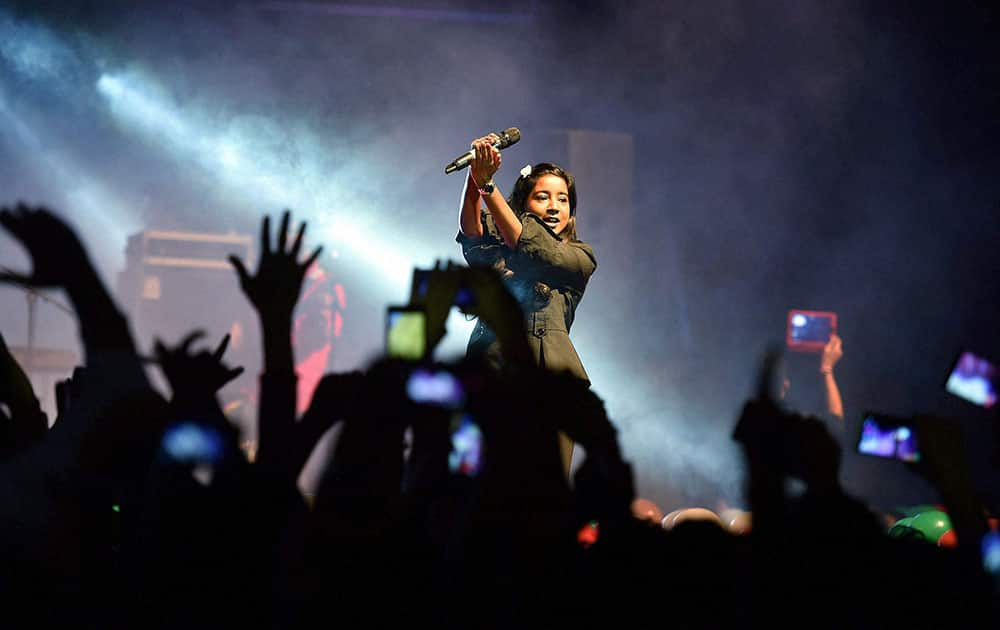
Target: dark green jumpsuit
<point>540,256</point>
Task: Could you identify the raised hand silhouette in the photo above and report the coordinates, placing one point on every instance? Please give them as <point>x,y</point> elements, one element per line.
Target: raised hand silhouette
<point>195,375</point>
<point>274,289</point>
<point>58,257</point>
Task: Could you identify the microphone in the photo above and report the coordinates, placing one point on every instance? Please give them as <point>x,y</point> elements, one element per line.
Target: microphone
<point>507,137</point>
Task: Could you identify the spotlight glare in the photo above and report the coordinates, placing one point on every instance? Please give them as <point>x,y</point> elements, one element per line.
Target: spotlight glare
<point>270,163</point>
<point>110,86</point>
<point>141,107</point>
<point>228,156</point>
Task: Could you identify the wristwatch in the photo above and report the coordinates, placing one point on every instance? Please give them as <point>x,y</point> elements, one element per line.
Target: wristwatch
<point>487,187</point>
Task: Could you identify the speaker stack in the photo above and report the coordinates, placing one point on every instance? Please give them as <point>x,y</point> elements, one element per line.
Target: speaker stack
<point>177,282</point>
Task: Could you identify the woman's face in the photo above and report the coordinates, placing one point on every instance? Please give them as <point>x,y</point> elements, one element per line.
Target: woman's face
<point>549,200</point>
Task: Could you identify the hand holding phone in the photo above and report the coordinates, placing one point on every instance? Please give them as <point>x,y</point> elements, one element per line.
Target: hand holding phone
<point>436,290</point>
<point>809,331</point>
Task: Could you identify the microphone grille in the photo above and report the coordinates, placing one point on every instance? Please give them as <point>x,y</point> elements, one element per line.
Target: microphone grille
<point>510,136</point>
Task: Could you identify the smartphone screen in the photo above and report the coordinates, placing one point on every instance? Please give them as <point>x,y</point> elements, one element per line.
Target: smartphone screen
<point>991,554</point>
<point>405,332</point>
<point>810,330</point>
<point>466,456</point>
<point>973,378</point>
<point>440,388</point>
<point>883,436</point>
<point>193,443</point>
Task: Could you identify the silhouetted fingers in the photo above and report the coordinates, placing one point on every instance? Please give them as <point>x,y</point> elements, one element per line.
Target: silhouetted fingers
<point>62,397</point>
<point>16,278</point>
<point>185,345</point>
<point>312,258</point>
<point>241,270</point>
<point>265,236</point>
<point>283,231</point>
<point>297,245</point>
<point>221,349</point>
<point>159,349</point>
<point>25,209</point>
<point>13,222</point>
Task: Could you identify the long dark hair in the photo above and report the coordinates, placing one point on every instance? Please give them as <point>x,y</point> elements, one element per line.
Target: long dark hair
<point>524,185</point>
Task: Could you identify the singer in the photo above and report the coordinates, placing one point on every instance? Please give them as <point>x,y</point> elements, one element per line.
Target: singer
<point>530,237</point>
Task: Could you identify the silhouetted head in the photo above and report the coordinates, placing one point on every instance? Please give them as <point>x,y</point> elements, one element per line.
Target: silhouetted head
<point>646,510</point>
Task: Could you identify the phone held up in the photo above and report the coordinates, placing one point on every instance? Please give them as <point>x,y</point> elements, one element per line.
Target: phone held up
<point>435,387</point>
<point>888,437</point>
<point>809,331</point>
<point>406,333</point>
<point>974,379</point>
<point>442,388</point>
<point>193,442</point>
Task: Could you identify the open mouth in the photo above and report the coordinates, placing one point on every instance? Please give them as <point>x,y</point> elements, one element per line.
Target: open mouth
<point>553,221</point>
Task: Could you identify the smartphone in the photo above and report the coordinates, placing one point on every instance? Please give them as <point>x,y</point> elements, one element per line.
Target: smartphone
<point>809,331</point>
<point>974,379</point>
<point>406,332</point>
<point>191,442</point>
<point>439,388</point>
<point>888,437</point>
<point>466,456</point>
<point>990,546</point>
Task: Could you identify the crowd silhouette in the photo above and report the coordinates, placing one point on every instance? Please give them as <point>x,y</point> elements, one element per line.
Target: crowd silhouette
<point>137,509</point>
